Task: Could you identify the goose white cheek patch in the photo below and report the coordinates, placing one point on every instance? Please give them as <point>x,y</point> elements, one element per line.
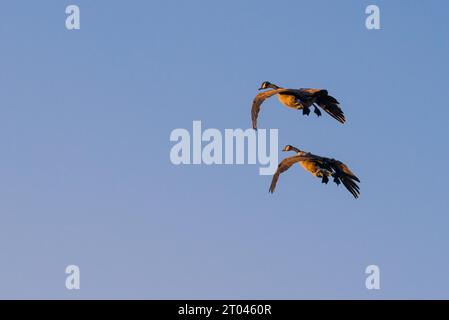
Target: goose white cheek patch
<point>235,146</point>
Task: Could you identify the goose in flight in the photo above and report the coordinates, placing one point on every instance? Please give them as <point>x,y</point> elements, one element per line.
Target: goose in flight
<point>319,167</point>
<point>299,99</point>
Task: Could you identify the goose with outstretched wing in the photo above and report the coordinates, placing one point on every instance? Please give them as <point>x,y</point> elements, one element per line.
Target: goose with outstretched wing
<point>299,99</point>
<point>320,167</point>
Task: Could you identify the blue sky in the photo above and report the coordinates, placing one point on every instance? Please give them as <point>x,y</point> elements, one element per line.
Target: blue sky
<point>86,177</point>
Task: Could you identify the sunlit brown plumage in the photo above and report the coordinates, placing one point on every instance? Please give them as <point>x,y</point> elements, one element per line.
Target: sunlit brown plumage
<point>299,99</point>
<point>320,167</point>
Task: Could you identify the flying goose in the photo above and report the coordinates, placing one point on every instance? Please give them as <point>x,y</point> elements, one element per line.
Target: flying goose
<point>298,99</point>
<point>319,167</point>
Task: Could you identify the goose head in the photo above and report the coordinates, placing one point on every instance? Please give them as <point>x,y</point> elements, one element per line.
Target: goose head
<point>266,85</point>
<point>291,148</point>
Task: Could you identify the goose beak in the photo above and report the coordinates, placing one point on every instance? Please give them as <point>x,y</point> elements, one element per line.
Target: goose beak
<point>260,88</point>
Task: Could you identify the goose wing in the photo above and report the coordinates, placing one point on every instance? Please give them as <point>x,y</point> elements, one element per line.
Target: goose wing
<point>326,102</point>
<point>260,98</point>
<point>283,166</point>
<point>312,92</point>
<point>346,176</point>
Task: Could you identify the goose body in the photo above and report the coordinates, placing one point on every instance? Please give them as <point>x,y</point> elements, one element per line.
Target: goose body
<point>315,169</point>
<point>299,99</point>
<point>320,167</point>
<point>290,101</point>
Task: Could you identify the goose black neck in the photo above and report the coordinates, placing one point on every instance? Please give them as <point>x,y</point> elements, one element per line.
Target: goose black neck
<point>295,149</point>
